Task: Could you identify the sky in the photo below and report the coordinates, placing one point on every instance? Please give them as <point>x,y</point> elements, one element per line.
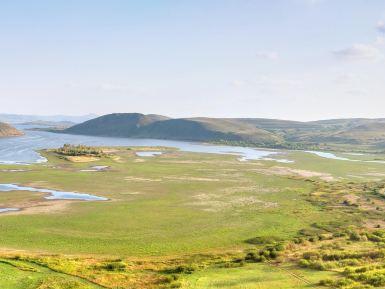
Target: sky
<point>286,59</point>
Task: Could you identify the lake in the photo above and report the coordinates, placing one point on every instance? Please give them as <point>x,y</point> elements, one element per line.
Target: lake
<point>23,150</point>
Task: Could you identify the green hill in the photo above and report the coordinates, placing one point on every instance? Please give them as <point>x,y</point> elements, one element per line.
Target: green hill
<point>193,129</point>
<point>6,130</point>
<point>117,124</point>
<point>248,131</point>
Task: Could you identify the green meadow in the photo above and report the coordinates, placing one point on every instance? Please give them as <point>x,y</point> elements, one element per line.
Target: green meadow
<point>255,276</point>
<point>182,220</point>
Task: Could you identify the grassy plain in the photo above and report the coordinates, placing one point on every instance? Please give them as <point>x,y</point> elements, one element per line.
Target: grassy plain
<point>181,219</point>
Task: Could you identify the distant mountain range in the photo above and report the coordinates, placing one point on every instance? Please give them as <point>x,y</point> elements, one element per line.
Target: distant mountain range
<point>357,133</point>
<point>21,118</point>
<point>46,123</point>
<point>7,130</point>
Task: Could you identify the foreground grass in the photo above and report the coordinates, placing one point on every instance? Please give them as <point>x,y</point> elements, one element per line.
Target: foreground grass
<point>255,276</point>
<point>22,275</point>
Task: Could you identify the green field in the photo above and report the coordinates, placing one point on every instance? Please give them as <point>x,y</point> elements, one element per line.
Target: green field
<point>19,275</point>
<point>255,276</point>
<point>179,209</point>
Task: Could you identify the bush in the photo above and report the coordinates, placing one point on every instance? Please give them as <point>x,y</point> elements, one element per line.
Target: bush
<point>311,255</point>
<point>115,266</point>
<point>316,265</point>
<point>354,236</point>
<point>181,269</point>
<point>264,240</point>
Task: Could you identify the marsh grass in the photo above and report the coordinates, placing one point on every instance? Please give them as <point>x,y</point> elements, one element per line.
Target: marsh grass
<point>154,235</point>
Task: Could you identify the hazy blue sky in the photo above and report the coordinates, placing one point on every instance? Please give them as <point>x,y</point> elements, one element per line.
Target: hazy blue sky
<point>292,59</point>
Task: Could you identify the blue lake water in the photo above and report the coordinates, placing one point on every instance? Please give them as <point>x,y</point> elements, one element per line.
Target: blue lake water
<point>147,154</point>
<point>53,194</point>
<point>5,210</point>
<point>22,150</point>
<point>328,155</point>
<point>332,156</point>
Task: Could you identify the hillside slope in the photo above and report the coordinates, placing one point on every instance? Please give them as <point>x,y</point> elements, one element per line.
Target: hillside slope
<point>117,124</point>
<point>155,126</point>
<point>252,131</point>
<point>6,130</point>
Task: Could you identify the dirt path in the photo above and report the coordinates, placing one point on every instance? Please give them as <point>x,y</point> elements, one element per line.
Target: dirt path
<point>292,274</point>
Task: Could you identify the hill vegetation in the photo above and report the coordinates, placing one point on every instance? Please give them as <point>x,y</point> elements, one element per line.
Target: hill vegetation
<point>335,134</point>
<point>7,130</point>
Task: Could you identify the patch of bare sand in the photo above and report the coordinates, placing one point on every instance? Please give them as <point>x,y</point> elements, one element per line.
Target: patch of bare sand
<point>180,162</point>
<point>373,205</point>
<point>355,176</point>
<point>171,178</point>
<point>117,159</point>
<point>110,150</point>
<point>41,207</point>
<point>217,163</point>
<point>375,174</point>
<point>351,199</point>
<point>139,179</point>
<point>131,193</point>
<point>81,159</point>
<point>285,171</point>
<point>187,178</point>
<point>374,224</point>
<point>217,203</point>
<point>38,184</point>
<point>252,188</point>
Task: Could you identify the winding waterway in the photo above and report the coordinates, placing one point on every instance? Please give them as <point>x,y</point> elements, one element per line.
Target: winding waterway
<point>52,194</point>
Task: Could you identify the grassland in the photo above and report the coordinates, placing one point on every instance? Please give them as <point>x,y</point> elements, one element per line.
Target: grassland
<point>187,220</point>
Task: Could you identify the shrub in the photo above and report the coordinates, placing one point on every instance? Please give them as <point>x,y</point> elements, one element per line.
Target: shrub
<point>264,240</point>
<point>115,266</point>
<point>354,236</point>
<point>311,255</point>
<point>181,269</point>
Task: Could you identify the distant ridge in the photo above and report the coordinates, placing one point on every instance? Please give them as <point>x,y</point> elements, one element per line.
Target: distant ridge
<point>24,118</point>
<point>161,127</point>
<point>240,131</point>
<point>7,130</point>
<point>117,124</point>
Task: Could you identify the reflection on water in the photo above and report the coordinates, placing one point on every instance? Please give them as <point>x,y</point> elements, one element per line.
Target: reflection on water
<point>334,157</point>
<point>328,155</point>
<point>4,210</point>
<point>147,154</point>
<point>54,195</point>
